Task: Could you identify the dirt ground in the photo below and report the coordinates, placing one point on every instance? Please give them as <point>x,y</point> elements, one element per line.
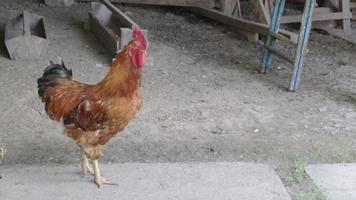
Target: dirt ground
<point>203,98</point>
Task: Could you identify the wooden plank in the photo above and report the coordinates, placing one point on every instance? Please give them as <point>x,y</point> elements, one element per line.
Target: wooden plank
<point>327,23</point>
<point>281,37</point>
<point>346,22</point>
<point>200,3</point>
<point>345,8</point>
<point>238,9</point>
<point>270,5</point>
<point>260,12</point>
<point>352,4</point>
<point>242,24</point>
<point>279,53</point>
<point>267,9</point>
<point>126,21</point>
<point>335,3</point>
<point>317,17</point>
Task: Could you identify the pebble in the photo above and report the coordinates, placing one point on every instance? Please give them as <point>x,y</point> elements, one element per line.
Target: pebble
<point>350,115</point>
<point>128,13</point>
<point>323,109</point>
<point>337,125</point>
<point>99,65</point>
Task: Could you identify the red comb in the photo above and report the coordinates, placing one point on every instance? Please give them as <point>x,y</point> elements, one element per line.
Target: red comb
<point>140,38</point>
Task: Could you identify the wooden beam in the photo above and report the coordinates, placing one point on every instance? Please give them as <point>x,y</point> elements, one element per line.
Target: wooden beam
<point>200,3</point>
<point>317,17</point>
<point>242,24</point>
<point>345,8</point>
<point>126,21</point>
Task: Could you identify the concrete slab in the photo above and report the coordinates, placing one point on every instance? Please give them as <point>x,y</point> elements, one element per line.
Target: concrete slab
<point>198,181</point>
<point>336,181</point>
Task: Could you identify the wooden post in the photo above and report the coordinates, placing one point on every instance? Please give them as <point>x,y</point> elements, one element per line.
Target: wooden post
<point>260,11</point>
<point>346,23</point>
<point>227,7</point>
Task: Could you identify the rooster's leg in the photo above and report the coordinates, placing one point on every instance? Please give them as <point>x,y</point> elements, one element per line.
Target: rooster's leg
<point>98,179</point>
<point>85,165</point>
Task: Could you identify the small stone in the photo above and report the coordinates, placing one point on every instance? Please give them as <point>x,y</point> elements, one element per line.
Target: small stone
<point>350,115</point>
<point>256,130</point>
<point>334,132</point>
<point>86,26</point>
<point>99,65</point>
<point>337,125</point>
<point>128,12</point>
<point>217,131</point>
<point>323,109</point>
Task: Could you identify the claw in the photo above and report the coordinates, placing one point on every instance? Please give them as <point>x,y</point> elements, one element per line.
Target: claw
<point>103,181</point>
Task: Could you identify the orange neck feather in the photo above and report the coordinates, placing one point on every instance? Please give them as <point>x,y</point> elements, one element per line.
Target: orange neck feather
<point>123,78</point>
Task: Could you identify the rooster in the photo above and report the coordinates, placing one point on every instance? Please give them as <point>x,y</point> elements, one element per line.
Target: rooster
<point>92,114</point>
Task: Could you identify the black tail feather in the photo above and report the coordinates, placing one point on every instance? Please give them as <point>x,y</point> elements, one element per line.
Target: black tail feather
<point>50,75</point>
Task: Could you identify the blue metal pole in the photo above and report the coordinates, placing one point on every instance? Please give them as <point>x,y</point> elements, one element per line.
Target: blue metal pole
<point>274,27</point>
<point>302,44</point>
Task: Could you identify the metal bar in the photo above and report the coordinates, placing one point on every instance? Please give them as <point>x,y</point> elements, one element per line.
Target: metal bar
<point>120,15</point>
<point>277,25</point>
<point>274,26</point>
<point>302,44</point>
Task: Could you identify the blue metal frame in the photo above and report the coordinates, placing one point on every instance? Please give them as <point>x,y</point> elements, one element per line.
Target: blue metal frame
<point>302,41</point>
<point>274,27</point>
<point>302,44</point>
